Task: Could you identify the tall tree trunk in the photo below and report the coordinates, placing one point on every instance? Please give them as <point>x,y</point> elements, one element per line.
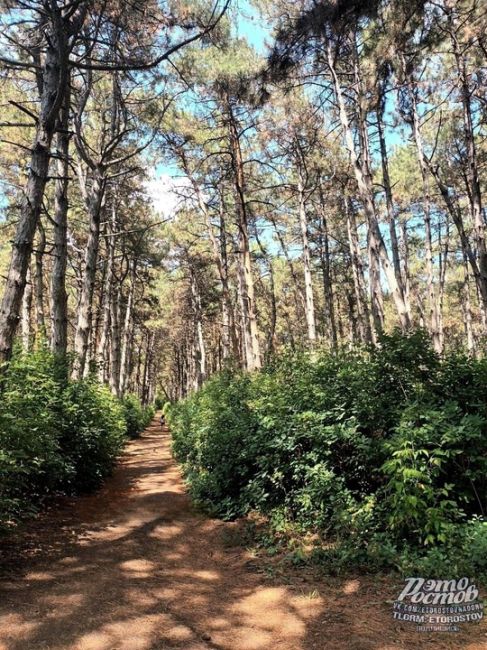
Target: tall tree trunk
<point>115,340</point>
<point>443,263</point>
<point>228,311</point>
<point>327,279</point>
<point>467,308</point>
<point>26,314</point>
<point>127,325</point>
<point>199,351</point>
<point>473,190</point>
<point>247,295</point>
<point>455,212</point>
<point>138,373</point>
<point>103,356</point>
<point>433,324</point>
<point>53,90</point>
<point>478,263</point>
<point>59,297</point>
<point>366,192</point>
<point>147,366</point>
<point>229,339</point>
<point>352,319</point>
<point>386,181</point>
<point>39,281</point>
<point>297,285</point>
<point>375,287</point>
<point>357,275</point>
<point>81,340</point>
<point>308,280</point>
<point>408,288</point>
<point>271,291</point>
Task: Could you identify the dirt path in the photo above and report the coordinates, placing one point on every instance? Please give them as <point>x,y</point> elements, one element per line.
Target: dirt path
<point>134,567</point>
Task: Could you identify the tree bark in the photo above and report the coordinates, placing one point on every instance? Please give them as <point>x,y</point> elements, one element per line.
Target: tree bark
<point>308,280</point>
<point>467,308</point>
<point>26,314</point>
<point>375,288</point>
<point>327,278</point>
<point>103,356</point>
<point>39,281</point>
<point>358,275</point>
<point>199,351</point>
<point>433,320</point>
<point>473,191</point>
<point>85,308</point>
<point>54,83</point>
<point>115,340</point>
<point>246,282</point>
<point>365,187</point>
<point>125,353</point>
<point>59,297</point>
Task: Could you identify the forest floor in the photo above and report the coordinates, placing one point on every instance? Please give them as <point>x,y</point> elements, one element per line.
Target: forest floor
<point>136,567</point>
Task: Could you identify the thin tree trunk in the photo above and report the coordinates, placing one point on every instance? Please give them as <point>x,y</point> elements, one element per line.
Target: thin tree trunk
<point>147,366</point>
<point>103,357</point>
<point>228,309</point>
<point>308,280</point>
<point>271,334</point>
<point>405,257</point>
<point>39,281</point>
<point>125,353</point>
<point>474,191</point>
<point>443,263</point>
<point>115,340</point>
<point>430,288</point>
<point>297,288</point>
<point>456,214</point>
<point>365,187</point>
<point>327,279</point>
<point>467,308</point>
<point>478,263</point>
<point>357,275</point>
<point>230,347</point>
<point>375,288</point>
<point>26,314</point>
<point>199,352</point>
<point>81,339</point>
<point>386,180</point>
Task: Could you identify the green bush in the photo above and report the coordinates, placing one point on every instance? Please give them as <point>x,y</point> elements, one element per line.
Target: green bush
<point>56,435</point>
<point>31,457</point>
<point>137,416</point>
<point>382,451</point>
<point>213,437</point>
<point>93,429</point>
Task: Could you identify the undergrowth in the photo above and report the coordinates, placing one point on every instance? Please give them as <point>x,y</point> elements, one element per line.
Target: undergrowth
<point>56,435</point>
<point>378,454</point>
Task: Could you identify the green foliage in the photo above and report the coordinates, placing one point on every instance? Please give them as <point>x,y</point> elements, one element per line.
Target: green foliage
<point>426,454</point>
<point>383,451</point>
<point>213,437</point>
<point>31,460</point>
<point>56,435</point>
<point>159,402</point>
<point>137,416</point>
<point>93,428</point>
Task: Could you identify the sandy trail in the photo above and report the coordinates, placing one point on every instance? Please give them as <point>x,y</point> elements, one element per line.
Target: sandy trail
<point>135,567</point>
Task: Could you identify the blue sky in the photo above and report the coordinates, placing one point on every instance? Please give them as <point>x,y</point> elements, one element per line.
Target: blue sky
<point>251,26</point>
